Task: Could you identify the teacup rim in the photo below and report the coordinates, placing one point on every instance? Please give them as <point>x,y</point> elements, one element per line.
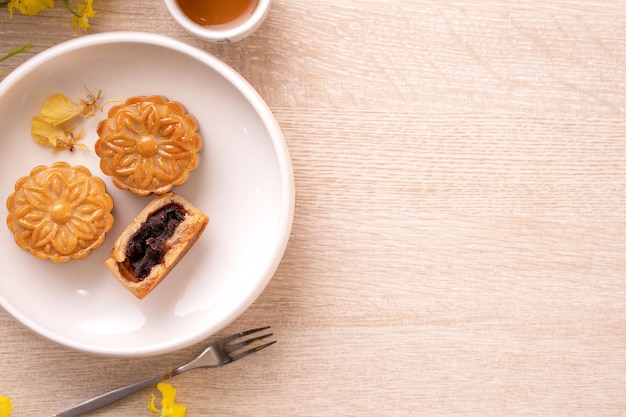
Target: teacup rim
<point>228,35</point>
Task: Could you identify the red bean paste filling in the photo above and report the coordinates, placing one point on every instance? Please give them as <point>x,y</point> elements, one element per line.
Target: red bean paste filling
<point>147,246</point>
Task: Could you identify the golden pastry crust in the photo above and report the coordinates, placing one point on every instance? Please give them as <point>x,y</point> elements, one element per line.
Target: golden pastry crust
<point>142,240</point>
<point>148,145</point>
<point>60,212</point>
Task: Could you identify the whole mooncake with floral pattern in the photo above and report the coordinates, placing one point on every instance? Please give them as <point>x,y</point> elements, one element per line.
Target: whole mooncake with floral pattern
<point>60,212</point>
<point>148,145</point>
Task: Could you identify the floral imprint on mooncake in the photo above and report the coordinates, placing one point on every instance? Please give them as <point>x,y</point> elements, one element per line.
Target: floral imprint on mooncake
<point>60,212</point>
<point>148,145</point>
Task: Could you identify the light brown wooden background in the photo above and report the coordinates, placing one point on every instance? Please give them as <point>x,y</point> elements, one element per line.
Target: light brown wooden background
<point>459,240</point>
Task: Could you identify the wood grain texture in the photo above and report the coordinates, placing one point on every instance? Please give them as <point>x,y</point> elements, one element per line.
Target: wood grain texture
<point>458,247</point>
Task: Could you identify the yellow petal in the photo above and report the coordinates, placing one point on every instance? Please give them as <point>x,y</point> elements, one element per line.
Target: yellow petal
<point>151,406</point>
<point>5,406</point>
<point>169,407</point>
<point>86,8</point>
<point>83,147</point>
<point>58,109</point>
<point>29,7</point>
<point>168,392</point>
<point>175,410</point>
<point>45,133</point>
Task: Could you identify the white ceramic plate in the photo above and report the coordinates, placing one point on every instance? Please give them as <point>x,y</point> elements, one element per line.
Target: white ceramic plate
<point>244,183</point>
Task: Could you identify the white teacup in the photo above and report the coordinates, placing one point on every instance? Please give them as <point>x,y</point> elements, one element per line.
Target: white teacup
<point>224,33</point>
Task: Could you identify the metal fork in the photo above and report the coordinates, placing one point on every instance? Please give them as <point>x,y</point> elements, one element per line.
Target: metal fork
<point>218,354</point>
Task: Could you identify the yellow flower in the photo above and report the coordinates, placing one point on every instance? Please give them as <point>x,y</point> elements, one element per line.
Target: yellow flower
<point>5,406</point>
<point>55,124</point>
<point>168,407</point>
<point>81,15</point>
<point>47,134</point>
<point>29,7</point>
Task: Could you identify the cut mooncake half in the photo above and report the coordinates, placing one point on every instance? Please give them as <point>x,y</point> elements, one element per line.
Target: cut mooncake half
<point>155,242</point>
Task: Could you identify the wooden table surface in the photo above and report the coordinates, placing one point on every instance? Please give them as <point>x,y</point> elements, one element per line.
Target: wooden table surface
<point>459,245</point>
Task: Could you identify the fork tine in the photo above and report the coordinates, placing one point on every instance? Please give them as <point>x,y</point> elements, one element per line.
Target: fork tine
<point>242,334</point>
<point>239,345</point>
<point>240,355</point>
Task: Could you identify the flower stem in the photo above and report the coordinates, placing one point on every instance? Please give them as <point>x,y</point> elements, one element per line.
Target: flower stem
<point>74,12</point>
<point>16,51</point>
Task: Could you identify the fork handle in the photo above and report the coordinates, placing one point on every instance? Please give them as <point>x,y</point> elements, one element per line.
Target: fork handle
<point>109,397</point>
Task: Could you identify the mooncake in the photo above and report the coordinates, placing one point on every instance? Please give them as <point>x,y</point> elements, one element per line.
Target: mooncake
<point>154,242</point>
<point>148,145</point>
<point>60,212</point>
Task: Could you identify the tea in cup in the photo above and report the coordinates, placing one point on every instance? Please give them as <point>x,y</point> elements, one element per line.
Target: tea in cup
<point>221,21</point>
